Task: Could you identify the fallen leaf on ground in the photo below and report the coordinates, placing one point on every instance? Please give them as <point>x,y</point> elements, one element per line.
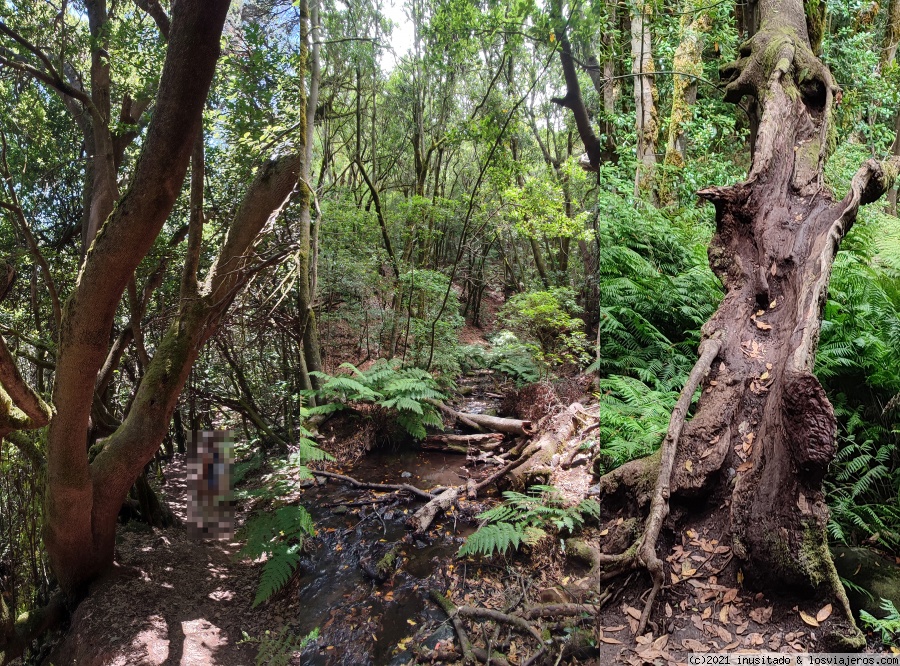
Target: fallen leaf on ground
<point>633,612</point>
<point>824,613</point>
<point>809,619</point>
<point>761,615</point>
<point>694,646</point>
<point>661,642</point>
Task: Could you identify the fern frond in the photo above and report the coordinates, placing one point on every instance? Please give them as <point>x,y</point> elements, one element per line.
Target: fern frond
<point>276,572</point>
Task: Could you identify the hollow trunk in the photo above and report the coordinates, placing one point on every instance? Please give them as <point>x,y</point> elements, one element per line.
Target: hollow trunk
<point>763,421</point>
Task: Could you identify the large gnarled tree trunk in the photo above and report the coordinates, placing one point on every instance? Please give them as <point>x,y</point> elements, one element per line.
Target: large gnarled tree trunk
<point>764,432</point>
<point>762,410</point>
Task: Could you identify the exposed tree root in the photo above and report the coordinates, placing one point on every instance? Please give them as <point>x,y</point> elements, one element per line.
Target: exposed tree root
<point>643,550</point>
<point>560,610</point>
<point>516,621</point>
<point>16,636</point>
<point>448,607</point>
<point>470,653</point>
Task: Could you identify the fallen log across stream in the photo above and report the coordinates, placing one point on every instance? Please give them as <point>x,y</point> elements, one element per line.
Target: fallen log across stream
<point>482,422</point>
<point>530,462</point>
<point>462,443</point>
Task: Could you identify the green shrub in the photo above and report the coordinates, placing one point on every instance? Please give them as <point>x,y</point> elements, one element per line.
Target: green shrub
<point>546,320</point>
<point>403,391</point>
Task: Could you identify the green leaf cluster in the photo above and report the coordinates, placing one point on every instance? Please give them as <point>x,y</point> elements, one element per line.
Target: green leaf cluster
<point>279,535</point>
<point>276,649</point>
<point>888,627</point>
<point>526,519</point>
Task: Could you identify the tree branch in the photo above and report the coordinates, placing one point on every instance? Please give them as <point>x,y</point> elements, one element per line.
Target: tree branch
<point>9,58</point>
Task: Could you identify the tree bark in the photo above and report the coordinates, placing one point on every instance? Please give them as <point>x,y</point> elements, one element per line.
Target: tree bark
<point>82,502</point>
<point>763,419</point>
<point>688,65</point>
<point>645,96</point>
<point>573,100</point>
<point>311,352</point>
<point>888,55</point>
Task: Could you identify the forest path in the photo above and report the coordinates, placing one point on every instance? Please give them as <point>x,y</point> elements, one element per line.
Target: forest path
<point>171,602</point>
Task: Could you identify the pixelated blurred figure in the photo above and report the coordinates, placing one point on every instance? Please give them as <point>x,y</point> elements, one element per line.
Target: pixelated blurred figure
<point>210,511</point>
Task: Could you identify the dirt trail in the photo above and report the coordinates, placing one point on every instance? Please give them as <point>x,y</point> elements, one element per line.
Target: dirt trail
<point>170,601</point>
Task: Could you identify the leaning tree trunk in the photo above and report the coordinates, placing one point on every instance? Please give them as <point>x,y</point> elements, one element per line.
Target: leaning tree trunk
<point>762,411</point>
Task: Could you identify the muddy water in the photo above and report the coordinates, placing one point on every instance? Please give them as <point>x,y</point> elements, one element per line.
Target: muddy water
<point>362,622</point>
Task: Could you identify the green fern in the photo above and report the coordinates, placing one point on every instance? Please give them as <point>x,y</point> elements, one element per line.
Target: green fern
<point>278,648</point>
<point>850,586</point>
<point>499,537</point>
<point>888,626</point>
<point>405,392</point>
<point>278,535</point>
<point>526,519</point>
<point>862,486</point>
<point>277,571</point>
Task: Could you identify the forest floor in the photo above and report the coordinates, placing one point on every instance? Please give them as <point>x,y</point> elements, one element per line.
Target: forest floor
<point>175,601</point>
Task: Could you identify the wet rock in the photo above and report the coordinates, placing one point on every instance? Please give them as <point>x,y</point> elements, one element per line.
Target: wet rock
<point>870,571</point>
<point>443,633</point>
<point>383,568</point>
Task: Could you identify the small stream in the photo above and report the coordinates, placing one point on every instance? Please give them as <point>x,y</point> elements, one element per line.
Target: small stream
<point>360,621</point>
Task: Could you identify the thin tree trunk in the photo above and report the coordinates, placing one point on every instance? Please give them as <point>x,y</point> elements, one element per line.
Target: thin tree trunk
<point>645,96</point>
<point>311,352</point>
<point>895,151</point>
<point>887,57</point>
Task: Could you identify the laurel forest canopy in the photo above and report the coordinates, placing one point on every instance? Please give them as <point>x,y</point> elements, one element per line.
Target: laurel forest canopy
<point>661,236</point>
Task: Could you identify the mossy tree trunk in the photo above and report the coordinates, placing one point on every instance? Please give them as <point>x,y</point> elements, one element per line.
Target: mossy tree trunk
<point>687,65</point>
<point>645,102</point>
